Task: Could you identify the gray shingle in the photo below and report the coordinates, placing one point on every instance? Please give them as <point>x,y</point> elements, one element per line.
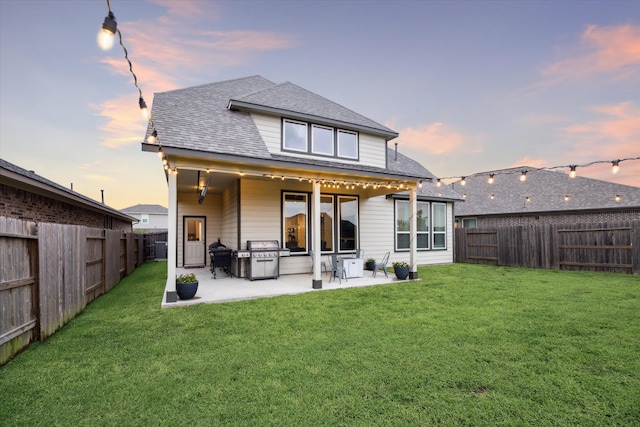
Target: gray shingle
<point>546,190</point>
<point>146,209</point>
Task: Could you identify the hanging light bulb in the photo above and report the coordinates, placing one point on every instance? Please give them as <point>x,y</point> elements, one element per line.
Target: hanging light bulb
<point>617,197</point>
<point>464,196</point>
<point>420,184</point>
<point>493,197</point>
<point>615,166</point>
<point>528,199</point>
<point>572,174</point>
<point>490,181</point>
<point>153,136</point>
<point>143,108</point>
<point>438,182</point>
<point>523,176</point>
<point>107,32</point>
<point>566,198</point>
<point>463,181</point>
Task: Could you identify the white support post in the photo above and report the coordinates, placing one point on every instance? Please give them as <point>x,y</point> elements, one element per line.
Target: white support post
<point>315,236</point>
<point>413,232</point>
<point>172,240</point>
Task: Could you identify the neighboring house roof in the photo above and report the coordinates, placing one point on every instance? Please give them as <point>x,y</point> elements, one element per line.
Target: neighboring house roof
<point>146,209</point>
<point>546,190</point>
<point>206,119</point>
<point>18,177</point>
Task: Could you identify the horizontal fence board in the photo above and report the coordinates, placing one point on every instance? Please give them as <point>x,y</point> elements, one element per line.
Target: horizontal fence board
<point>17,283</point>
<point>8,336</point>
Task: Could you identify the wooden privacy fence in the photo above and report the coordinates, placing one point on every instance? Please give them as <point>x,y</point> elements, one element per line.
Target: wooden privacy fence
<point>611,247</point>
<point>50,272</point>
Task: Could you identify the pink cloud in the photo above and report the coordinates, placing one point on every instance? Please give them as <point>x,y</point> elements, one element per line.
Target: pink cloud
<point>170,51</point>
<point>530,161</point>
<point>613,49</point>
<point>434,138</point>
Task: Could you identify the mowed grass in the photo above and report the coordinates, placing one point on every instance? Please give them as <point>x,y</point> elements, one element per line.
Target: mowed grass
<point>465,345</point>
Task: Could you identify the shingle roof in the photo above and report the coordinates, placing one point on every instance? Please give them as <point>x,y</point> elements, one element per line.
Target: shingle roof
<point>288,97</point>
<point>198,118</point>
<point>545,188</point>
<point>32,179</point>
<point>146,209</point>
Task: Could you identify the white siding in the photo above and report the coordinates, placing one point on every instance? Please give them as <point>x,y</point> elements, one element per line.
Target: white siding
<point>210,208</point>
<point>229,231</point>
<point>372,148</point>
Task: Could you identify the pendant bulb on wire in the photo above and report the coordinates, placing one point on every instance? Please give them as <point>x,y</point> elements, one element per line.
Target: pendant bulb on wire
<point>107,32</point>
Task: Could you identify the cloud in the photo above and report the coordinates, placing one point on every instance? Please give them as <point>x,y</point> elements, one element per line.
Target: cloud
<point>98,178</point>
<point>434,138</point>
<point>614,50</point>
<point>172,51</point>
<point>615,135</point>
<point>90,165</point>
<point>530,161</point>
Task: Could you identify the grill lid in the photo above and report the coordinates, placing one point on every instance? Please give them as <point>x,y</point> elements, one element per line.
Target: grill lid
<point>264,245</point>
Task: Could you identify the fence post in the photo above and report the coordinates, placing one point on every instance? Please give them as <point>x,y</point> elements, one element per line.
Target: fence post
<point>635,247</point>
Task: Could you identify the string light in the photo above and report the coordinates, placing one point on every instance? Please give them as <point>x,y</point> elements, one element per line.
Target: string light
<point>493,197</point>
<point>108,31</point>
<point>463,181</point>
<point>438,182</point>
<point>566,198</point>
<point>523,176</point>
<point>572,174</point>
<point>528,199</point>
<point>615,166</point>
<point>490,181</point>
<point>617,198</point>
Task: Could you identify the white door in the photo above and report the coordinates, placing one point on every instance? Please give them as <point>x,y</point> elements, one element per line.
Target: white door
<point>194,242</point>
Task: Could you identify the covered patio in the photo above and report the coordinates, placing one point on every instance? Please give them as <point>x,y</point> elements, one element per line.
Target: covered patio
<point>231,288</point>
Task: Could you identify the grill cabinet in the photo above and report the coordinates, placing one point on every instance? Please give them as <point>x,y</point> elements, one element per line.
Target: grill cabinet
<point>264,259</point>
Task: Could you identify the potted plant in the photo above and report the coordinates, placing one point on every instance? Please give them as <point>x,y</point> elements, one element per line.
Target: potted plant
<point>401,269</point>
<point>186,285</point>
<point>370,264</point>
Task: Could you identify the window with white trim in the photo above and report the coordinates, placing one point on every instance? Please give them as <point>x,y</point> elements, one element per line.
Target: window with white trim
<point>403,235</point>
<point>348,229</point>
<point>319,140</point>
<point>326,224</point>
<point>322,140</point>
<point>144,218</point>
<point>294,136</point>
<point>295,210</point>
<point>439,225</point>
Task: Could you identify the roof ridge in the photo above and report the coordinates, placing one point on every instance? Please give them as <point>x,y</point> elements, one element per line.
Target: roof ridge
<point>214,84</point>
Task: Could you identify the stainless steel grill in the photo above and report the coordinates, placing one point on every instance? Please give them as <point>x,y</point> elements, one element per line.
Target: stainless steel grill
<point>264,259</point>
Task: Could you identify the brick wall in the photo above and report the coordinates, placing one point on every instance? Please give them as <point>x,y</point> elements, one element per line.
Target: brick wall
<point>559,218</point>
<point>24,205</point>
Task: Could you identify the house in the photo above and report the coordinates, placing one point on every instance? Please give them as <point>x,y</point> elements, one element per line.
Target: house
<point>27,196</point>
<point>252,160</point>
<point>544,197</point>
<point>151,218</point>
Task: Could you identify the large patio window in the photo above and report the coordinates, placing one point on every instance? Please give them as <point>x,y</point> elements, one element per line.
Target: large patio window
<point>338,223</point>
<point>348,215</point>
<point>295,213</point>
<point>326,223</point>
<point>403,235</point>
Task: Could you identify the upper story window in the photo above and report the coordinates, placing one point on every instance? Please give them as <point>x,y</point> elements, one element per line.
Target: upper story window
<point>319,140</point>
<point>144,218</point>
<point>295,136</point>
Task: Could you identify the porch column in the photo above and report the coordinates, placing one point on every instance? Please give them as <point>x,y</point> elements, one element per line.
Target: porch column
<point>315,236</point>
<point>172,241</point>
<point>413,232</point>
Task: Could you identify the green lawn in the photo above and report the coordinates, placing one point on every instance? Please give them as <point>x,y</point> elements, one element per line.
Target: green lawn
<point>466,345</point>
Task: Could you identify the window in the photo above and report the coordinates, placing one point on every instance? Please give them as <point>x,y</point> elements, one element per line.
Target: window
<point>295,136</point>
<point>469,222</point>
<point>439,225</point>
<point>348,215</point>
<point>326,223</point>
<point>321,140</point>
<point>295,209</point>
<point>325,140</point>
<point>144,218</point>
<point>336,213</point>
<point>403,227</point>
<point>347,144</point>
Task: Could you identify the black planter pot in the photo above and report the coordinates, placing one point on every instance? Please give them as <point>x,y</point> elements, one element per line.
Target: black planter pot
<point>401,272</point>
<point>186,290</point>
<point>369,266</point>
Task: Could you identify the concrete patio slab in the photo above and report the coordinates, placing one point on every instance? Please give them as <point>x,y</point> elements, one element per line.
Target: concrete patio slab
<point>226,289</point>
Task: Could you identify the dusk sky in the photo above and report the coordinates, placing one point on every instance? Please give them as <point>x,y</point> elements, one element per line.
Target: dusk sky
<point>471,86</point>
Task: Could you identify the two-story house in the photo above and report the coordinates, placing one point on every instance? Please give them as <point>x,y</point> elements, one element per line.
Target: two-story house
<point>252,160</point>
